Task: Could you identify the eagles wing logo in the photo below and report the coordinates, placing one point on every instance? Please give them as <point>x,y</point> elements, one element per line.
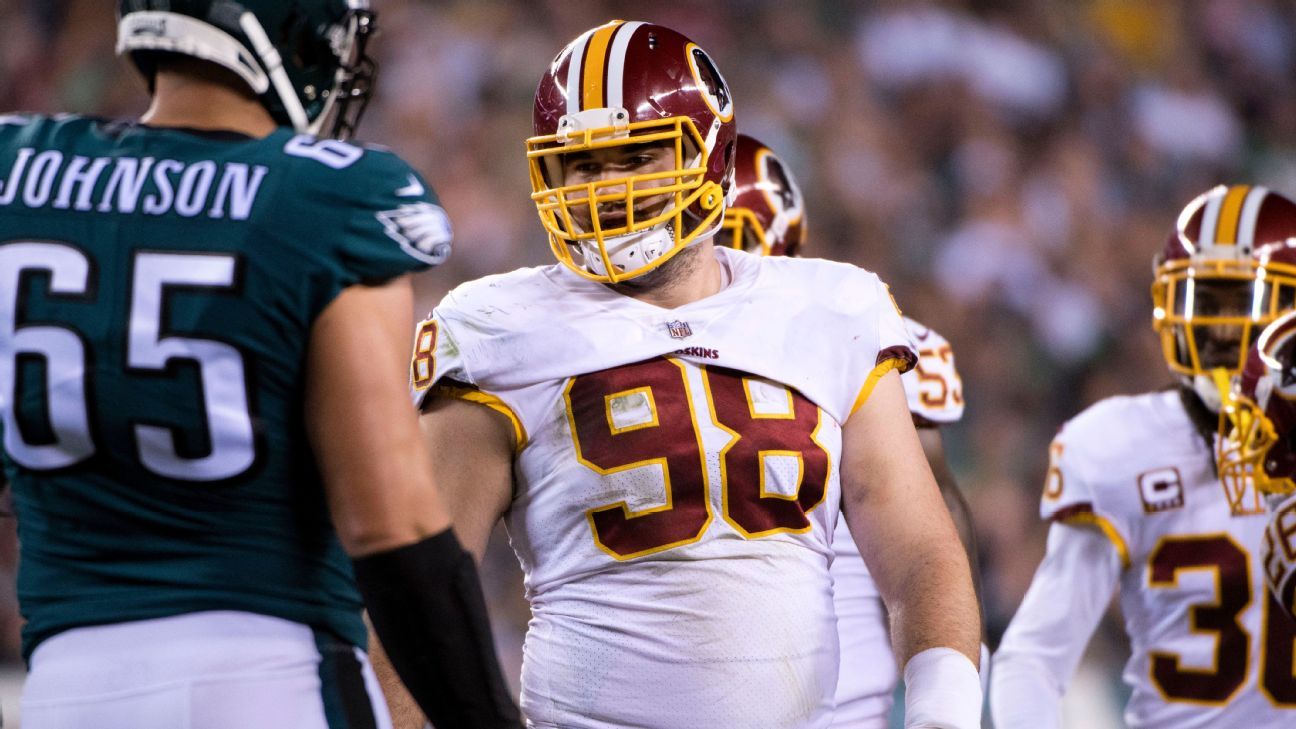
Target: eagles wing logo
<point>422,229</point>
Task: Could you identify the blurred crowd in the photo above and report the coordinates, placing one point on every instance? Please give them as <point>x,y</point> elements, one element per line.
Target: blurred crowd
<point>1010,167</point>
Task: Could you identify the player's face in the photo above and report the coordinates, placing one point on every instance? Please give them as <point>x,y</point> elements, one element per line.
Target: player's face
<point>606,166</point>
<point>1220,344</point>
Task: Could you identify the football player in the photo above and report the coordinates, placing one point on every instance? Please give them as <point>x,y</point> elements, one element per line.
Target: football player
<point>1258,431</point>
<point>766,215</point>
<point>1135,500</point>
<point>668,427</point>
<point>201,317</point>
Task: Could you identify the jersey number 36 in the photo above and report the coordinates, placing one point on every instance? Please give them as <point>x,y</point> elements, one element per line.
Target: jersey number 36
<point>1231,566</point>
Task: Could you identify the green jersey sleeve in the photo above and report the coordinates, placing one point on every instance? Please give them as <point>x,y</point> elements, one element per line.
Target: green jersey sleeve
<point>361,213</point>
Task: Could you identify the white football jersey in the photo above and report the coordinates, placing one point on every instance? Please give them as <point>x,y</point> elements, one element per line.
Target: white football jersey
<point>869,672</point>
<point>1209,646</point>
<point>677,483</point>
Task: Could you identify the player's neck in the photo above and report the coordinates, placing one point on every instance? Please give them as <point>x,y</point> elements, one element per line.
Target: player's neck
<point>192,102</point>
<point>691,275</point>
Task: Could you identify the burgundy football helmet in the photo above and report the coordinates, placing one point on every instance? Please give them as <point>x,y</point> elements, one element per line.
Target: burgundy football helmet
<point>1227,271</point>
<point>766,212</point>
<point>1258,419</point>
<point>618,85</point>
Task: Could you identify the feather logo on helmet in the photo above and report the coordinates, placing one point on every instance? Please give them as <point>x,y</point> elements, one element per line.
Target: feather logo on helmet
<point>714,89</point>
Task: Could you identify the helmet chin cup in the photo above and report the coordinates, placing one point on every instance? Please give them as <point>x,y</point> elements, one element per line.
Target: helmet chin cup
<point>627,252</point>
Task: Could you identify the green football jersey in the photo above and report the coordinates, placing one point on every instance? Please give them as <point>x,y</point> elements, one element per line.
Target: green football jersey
<point>157,291</point>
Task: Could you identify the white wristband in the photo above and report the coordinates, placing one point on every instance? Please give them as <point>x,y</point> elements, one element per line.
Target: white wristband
<point>942,691</point>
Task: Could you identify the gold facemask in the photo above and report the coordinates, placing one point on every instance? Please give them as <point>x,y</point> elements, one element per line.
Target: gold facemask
<point>1209,313</point>
<point>563,207</point>
<point>1246,435</point>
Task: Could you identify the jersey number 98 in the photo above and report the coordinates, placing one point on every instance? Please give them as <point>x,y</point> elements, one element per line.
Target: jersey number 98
<point>666,434</point>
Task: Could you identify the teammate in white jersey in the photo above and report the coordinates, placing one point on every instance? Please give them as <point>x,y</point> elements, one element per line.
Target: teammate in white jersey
<point>669,428</point>
<point>1135,500</point>
<point>1258,433</point>
<point>766,215</point>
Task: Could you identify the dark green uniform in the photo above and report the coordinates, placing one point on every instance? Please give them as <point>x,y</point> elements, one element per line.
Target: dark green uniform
<point>157,291</point>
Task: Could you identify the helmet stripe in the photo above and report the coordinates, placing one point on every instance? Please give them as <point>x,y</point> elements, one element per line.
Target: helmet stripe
<point>1230,211</point>
<point>595,64</point>
<point>1210,218</point>
<point>1250,213</point>
<point>575,62</point>
<point>616,64</point>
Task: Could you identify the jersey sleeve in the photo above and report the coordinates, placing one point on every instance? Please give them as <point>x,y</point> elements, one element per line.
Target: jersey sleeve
<point>440,368</point>
<point>436,359</point>
<point>887,340</point>
<point>1047,637</point>
<point>1073,496</point>
<point>933,387</point>
<point>364,215</point>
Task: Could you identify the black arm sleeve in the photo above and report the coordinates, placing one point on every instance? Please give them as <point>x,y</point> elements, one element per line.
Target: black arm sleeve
<point>426,606</point>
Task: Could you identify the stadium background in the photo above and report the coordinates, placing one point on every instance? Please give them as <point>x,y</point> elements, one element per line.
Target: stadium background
<point>1009,166</point>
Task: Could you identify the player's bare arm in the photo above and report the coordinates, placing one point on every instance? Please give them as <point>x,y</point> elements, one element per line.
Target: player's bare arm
<point>934,448</point>
<point>382,496</point>
<point>473,467</point>
<point>907,538</point>
<point>906,535</point>
<point>473,472</point>
<point>357,406</point>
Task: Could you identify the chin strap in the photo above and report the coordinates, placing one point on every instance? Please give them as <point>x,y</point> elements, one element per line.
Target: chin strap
<point>628,252</point>
<point>1208,390</point>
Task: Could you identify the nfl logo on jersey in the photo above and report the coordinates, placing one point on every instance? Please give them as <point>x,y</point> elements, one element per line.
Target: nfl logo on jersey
<point>679,329</point>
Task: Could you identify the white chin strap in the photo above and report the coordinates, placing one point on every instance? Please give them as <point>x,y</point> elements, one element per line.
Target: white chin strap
<point>628,252</point>
<point>1205,388</point>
